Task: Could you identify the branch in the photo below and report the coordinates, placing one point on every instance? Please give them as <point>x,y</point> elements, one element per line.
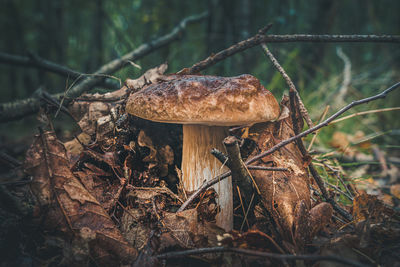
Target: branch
<point>324,123</point>
<point>21,108</point>
<point>255,253</point>
<point>289,140</point>
<point>240,174</point>
<point>262,38</point>
<point>289,82</point>
<point>35,61</point>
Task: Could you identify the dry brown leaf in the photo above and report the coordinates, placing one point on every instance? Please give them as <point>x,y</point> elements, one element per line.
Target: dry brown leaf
<point>395,190</point>
<point>67,207</point>
<point>370,207</point>
<point>145,141</point>
<point>286,195</point>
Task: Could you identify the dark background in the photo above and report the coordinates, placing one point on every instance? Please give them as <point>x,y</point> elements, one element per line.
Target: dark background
<point>83,35</point>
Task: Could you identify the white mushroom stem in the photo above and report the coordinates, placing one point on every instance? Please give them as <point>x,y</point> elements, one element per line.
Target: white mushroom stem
<point>198,165</point>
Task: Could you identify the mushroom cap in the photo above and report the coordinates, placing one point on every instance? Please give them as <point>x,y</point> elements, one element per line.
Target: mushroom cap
<point>207,100</point>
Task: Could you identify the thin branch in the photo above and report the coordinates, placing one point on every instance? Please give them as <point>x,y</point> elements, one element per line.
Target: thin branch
<point>314,173</point>
<point>289,82</point>
<point>316,133</point>
<point>240,173</point>
<point>337,175</point>
<point>262,38</point>
<point>34,61</point>
<point>263,168</point>
<point>21,108</point>
<point>289,140</point>
<point>364,113</point>
<point>224,160</point>
<point>203,188</point>
<point>248,252</point>
<point>325,122</point>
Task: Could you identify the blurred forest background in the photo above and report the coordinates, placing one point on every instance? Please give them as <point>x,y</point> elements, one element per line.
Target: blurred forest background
<point>83,35</point>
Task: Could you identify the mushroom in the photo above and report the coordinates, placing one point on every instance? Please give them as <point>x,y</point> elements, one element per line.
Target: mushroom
<point>206,106</point>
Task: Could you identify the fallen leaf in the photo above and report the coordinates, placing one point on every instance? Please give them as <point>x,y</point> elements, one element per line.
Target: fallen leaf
<point>67,207</point>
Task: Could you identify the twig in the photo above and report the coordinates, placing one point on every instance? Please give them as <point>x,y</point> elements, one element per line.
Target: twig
<point>325,122</point>
<point>364,112</point>
<point>202,188</point>
<point>252,202</point>
<point>263,168</point>
<point>240,174</point>
<point>316,132</point>
<point>243,209</point>
<point>336,173</point>
<point>261,38</point>
<point>314,173</point>
<point>10,161</point>
<point>177,254</point>
<point>224,160</point>
<point>289,140</point>
<point>340,191</point>
<point>295,102</point>
<point>21,108</point>
<point>289,82</point>
<point>34,61</point>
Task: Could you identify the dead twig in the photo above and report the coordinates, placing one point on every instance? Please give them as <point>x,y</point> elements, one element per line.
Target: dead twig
<point>224,160</point>
<point>290,140</point>
<point>240,173</point>
<point>337,175</point>
<point>316,133</point>
<point>364,113</point>
<point>289,82</point>
<point>314,173</point>
<point>34,61</point>
<point>325,122</point>
<point>198,251</point>
<point>21,108</point>
<point>260,38</point>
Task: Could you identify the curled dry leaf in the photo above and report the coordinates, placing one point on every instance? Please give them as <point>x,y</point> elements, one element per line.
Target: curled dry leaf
<point>68,208</point>
<point>286,195</point>
<point>101,184</point>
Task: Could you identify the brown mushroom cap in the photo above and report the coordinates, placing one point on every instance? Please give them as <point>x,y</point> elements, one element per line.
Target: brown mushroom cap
<point>208,100</point>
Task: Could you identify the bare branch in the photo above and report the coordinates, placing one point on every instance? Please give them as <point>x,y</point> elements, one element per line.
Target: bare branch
<point>21,108</point>
<point>325,122</point>
<point>289,82</point>
<point>177,254</point>
<point>289,140</point>
<point>34,61</point>
<point>240,173</point>
<point>262,38</point>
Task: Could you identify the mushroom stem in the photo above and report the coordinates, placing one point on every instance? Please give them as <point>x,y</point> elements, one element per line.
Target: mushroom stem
<point>198,164</point>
